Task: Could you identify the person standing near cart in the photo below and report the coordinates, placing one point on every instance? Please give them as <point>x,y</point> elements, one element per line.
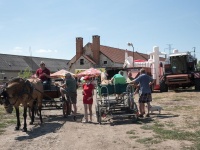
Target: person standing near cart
<point>70,89</point>
<point>144,81</point>
<point>88,92</point>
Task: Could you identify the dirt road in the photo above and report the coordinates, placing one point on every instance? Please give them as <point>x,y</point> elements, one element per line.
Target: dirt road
<point>58,133</point>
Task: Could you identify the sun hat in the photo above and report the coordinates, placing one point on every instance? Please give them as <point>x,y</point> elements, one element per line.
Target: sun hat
<point>86,78</point>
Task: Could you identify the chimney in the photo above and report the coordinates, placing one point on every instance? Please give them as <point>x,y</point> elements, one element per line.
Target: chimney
<point>96,48</point>
<point>79,47</point>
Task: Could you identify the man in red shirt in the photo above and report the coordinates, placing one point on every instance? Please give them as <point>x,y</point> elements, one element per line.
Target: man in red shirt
<point>43,73</point>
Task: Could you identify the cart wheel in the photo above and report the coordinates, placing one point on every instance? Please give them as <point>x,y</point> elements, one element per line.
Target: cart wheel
<point>130,101</point>
<point>135,107</point>
<point>98,114</point>
<point>134,119</point>
<point>65,109</point>
<point>69,106</point>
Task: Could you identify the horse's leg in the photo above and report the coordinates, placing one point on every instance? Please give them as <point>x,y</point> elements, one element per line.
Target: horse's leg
<point>33,113</point>
<point>18,119</point>
<point>25,116</point>
<point>40,112</point>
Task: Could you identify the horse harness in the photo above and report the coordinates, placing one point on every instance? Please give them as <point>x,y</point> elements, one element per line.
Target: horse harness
<point>27,88</point>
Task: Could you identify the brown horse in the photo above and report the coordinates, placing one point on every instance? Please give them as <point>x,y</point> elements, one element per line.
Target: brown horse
<point>20,91</point>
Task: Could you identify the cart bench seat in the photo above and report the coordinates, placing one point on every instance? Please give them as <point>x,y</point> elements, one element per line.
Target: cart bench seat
<point>110,89</point>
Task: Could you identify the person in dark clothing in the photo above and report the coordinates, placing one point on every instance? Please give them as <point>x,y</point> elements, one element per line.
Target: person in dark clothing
<point>70,89</point>
<point>43,73</point>
<point>144,82</point>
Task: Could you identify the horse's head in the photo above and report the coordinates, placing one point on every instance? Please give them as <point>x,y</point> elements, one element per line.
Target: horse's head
<point>4,100</point>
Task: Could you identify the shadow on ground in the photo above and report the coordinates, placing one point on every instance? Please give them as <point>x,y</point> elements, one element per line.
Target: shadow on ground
<point>52,124</point>
<point>134,120</point>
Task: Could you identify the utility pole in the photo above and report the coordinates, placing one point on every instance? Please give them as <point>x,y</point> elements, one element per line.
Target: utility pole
<point>194,51</point>
<point>169,48</point>
<point>31,59</point>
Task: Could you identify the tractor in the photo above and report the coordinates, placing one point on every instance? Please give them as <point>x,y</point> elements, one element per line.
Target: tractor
<point>181,71</point>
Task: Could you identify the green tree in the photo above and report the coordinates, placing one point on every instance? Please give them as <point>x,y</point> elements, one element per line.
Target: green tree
<point>25,74</point>
<point>198,66</point>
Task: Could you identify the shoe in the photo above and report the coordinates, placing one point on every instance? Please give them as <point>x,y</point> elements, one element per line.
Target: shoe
<point>84,121</point>
<point>147,115</point>
<point>90,121</point>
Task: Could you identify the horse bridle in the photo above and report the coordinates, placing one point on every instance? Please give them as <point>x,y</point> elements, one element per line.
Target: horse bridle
<point>23,91</point>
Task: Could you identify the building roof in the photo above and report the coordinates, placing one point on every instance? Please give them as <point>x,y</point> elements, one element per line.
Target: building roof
<point>119,54</point>
<point>114,54</point>
<point>16,63</point>
<point>89,59</point>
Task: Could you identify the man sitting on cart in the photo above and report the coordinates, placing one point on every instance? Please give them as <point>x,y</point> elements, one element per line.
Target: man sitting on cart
<point>70,89</point>
<point>119,80</point>
<point>43,74</point>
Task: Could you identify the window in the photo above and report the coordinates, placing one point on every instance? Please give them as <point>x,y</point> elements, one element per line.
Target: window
<point>105,62</point>
<point>81,61</point>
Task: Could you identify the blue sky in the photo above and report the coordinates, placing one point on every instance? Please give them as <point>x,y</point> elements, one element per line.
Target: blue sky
<point>48,28</point>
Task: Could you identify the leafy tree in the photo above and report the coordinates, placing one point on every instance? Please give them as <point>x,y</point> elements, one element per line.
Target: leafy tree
<point>198,66</point>
<point>25,74</point>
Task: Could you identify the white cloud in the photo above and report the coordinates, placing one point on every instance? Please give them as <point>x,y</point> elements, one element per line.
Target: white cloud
<point>46,51</point>
<point>17,50</point>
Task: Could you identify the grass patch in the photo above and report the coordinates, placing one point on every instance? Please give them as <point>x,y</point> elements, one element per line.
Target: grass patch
<point>176,134</point>
<point>11,121</point>
<point>1,131</point>
<point>170,124</point>
<point>130,132</point>
<point>157,98</point>
<point>177,108</point>
<point>178,99</point>
<point>8,119</point>
<point>196,146</point>
<point>192,123</point>
<point>149,140</point>
<point>2,125</point>
<point>133,137</point>
<point>173,134</point>
<point>151,127</point>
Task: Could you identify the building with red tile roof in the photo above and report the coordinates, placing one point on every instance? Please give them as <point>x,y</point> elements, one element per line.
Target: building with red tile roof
<point>99,56</point>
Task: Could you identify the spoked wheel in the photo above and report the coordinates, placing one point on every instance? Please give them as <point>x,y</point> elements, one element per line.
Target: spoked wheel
<point>135,107</point>
<point>69,106</point>
<point>98,114</point>
<point>65,109</point>
<point>135,119</point>
<point>130,102</point>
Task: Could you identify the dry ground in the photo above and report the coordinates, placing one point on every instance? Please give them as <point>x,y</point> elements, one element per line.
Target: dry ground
<point>177,127</point>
